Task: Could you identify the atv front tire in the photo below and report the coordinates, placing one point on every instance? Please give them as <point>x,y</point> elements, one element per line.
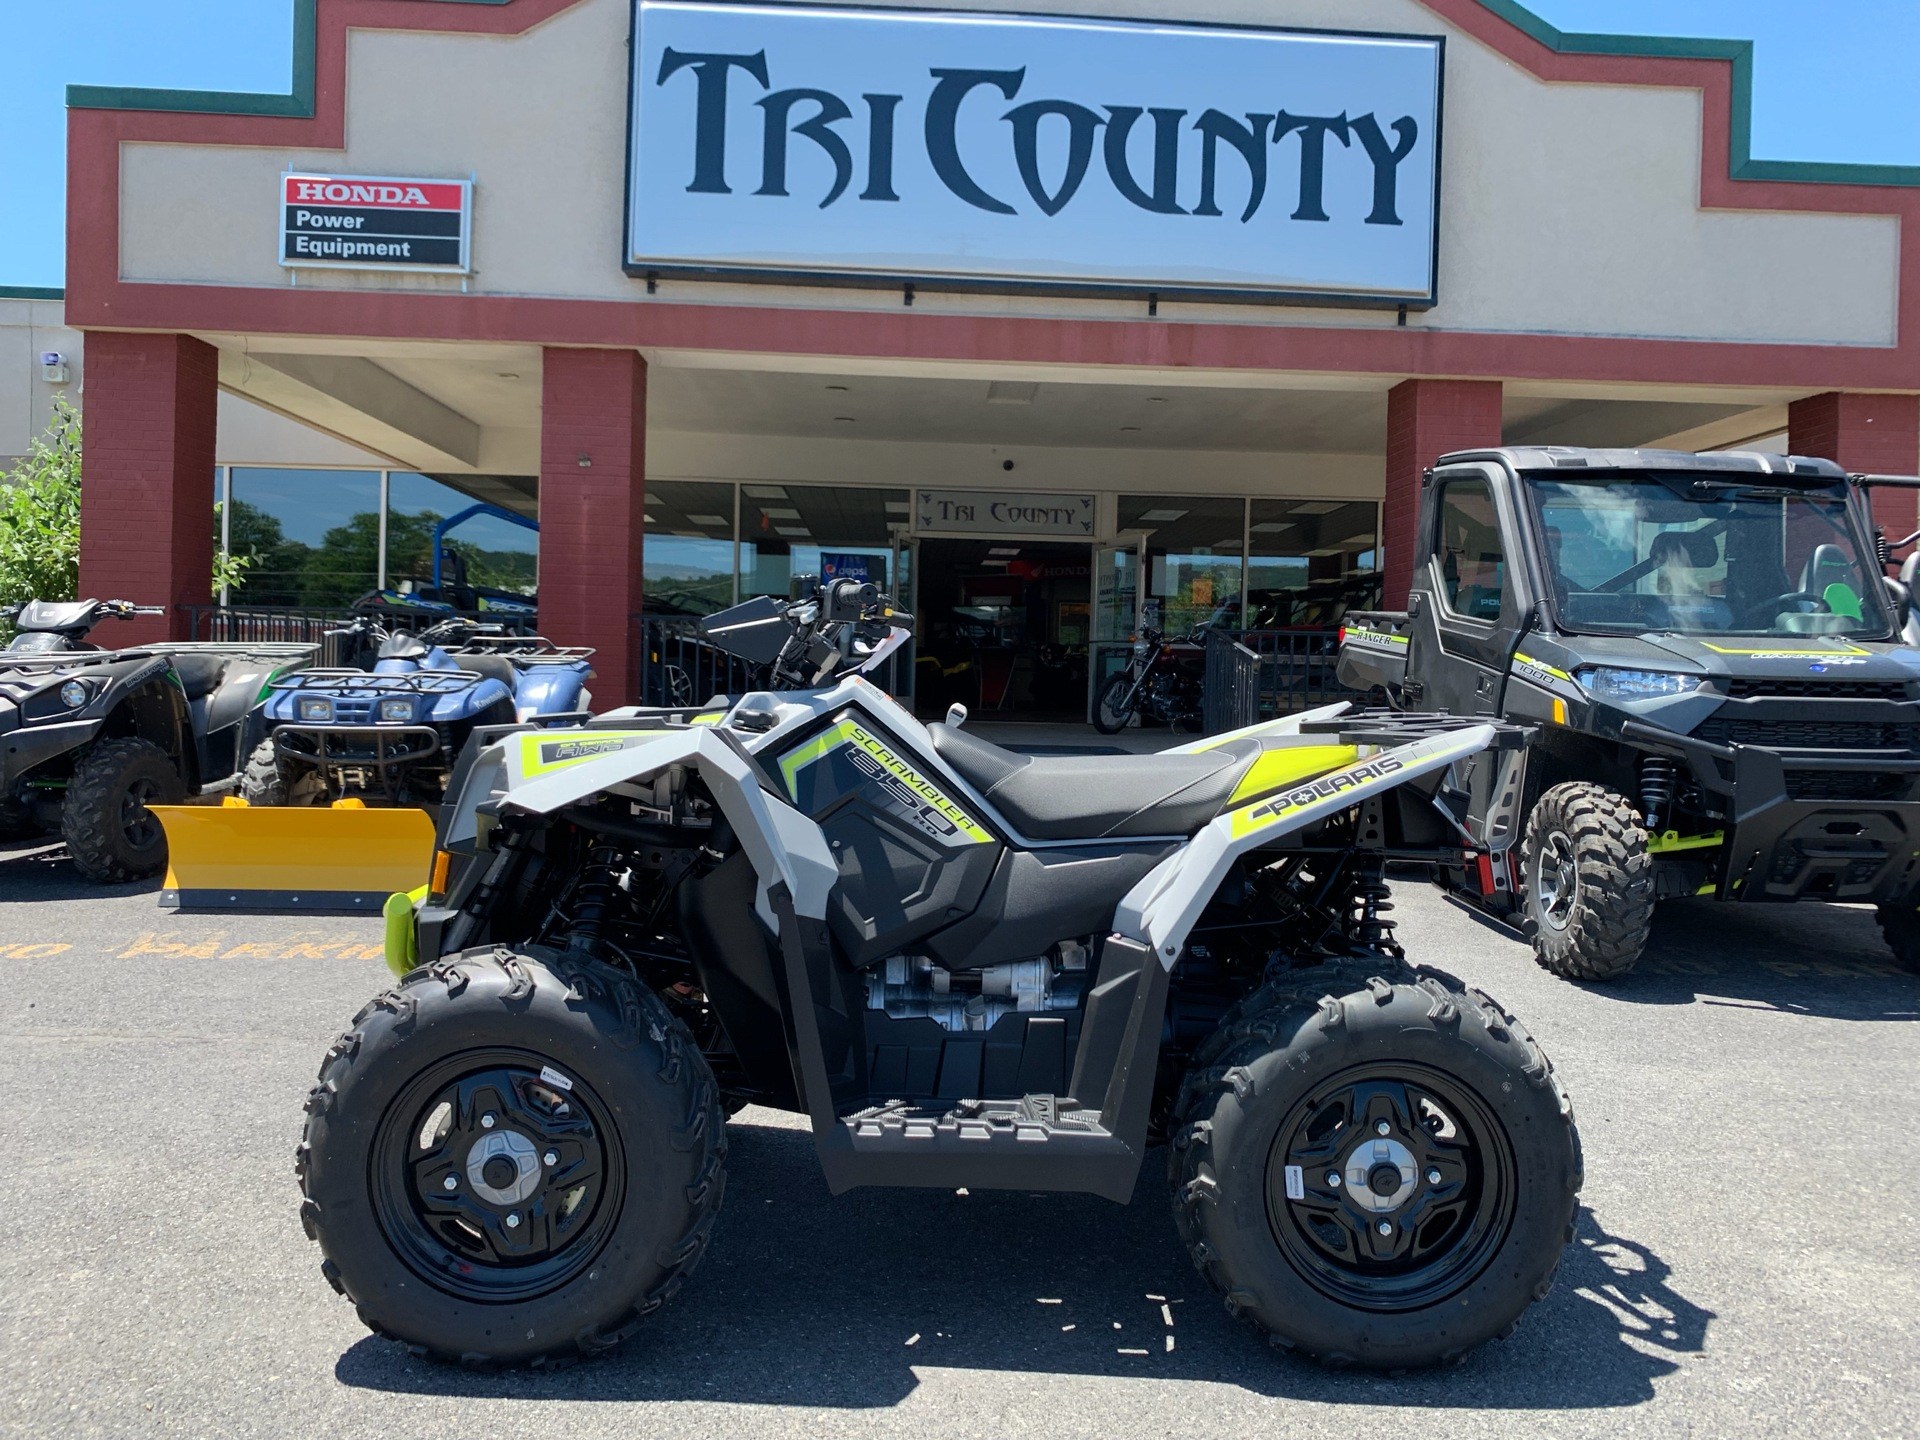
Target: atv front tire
<point>266,780</point>
<point>1588,880</point>
<point>1375,1166</point>
<point>512,1158</point>
<point>1900,927</point>
<point>111,834</point>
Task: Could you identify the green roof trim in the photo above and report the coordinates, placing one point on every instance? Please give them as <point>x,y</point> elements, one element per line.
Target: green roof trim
<point>1741,164</point>
<point>32,292</point>
<point>299,102</point>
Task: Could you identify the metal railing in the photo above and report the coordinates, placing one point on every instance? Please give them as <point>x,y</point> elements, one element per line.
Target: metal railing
<point>1287,671</point>
<point>679,666</point>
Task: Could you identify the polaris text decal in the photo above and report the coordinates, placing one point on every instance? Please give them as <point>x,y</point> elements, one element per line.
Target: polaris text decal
<point>1042,151</point>
<point>1277,808</point>
<point>367,223</point>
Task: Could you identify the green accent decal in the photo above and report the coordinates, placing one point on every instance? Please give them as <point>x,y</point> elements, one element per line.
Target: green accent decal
<point>1740,162</point>
<point>1553,670</point>
<point>545,751</point>
<point>1672,842</point>
<point>1375,637</point>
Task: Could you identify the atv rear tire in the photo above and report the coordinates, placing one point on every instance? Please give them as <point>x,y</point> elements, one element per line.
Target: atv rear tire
<point>1900,928</point>
<point>1316,1063</point>
<point>110,833</point>
<point>266,781</point>
<point>1588,882</point>
<point>512,1159</point>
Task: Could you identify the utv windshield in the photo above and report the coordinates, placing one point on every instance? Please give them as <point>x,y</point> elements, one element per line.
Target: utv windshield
<point>1695,555</point>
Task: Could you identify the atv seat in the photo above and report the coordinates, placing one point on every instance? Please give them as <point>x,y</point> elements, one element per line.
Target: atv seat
<point>200,675</point>
<point>1097,797</point>
<point>488,667</point>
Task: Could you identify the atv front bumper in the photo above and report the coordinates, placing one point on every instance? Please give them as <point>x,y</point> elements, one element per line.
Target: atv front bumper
<point>1834,825</point>
<point>381,748</point>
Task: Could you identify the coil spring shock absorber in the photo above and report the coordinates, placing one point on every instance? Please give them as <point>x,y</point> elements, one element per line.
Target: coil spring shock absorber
<point>1372,902</point>
<point>592,897</point>
<point>1659,779</point>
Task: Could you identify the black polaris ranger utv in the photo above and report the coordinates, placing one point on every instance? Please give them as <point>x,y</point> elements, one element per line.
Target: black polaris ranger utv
<point>1711,652</point>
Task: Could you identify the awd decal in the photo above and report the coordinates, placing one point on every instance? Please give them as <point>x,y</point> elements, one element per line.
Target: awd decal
<point>918,798</point>
<point>540,754</point>
<point>1271,812</point>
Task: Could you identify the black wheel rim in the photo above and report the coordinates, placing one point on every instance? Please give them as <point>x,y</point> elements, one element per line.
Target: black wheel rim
<point>138,823</point>
<point>1395,1218</point>
<point>536,1174</point>
<point>1556,880</point>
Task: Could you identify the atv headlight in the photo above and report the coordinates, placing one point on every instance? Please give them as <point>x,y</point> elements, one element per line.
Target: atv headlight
<point>1604,682</point>
<point>396,712</point>
<point>316,707</point>
<point>74,694</point>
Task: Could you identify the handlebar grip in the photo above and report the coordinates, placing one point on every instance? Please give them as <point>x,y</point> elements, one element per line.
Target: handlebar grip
<point>898,619</point>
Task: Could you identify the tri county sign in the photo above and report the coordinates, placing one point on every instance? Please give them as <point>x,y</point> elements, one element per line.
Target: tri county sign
<point>858,145</point>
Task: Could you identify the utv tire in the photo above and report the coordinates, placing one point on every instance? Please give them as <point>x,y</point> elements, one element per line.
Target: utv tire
<point>568,1059</point>
<point>265,781</point>
<point>110,833</point>
<point>1900,927</point>
<point>1109,718</point>
<point>1588,882</point>
<point>1316,1061</point>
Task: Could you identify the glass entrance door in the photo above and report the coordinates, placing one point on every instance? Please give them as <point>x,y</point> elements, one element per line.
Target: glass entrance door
<point>1116,608</point>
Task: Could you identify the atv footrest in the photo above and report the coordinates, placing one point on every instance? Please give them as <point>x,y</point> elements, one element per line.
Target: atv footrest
<point>1037,1143</point>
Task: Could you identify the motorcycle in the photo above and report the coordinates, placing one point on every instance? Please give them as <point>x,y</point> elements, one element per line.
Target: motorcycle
<point>1161,683</point>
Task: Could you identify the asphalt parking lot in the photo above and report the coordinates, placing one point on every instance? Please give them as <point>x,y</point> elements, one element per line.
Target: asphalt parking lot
<point>1745,1263</point>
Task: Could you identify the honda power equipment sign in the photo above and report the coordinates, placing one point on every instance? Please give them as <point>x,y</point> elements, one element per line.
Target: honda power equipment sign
<point>364,222</point>
<point>805,142</point>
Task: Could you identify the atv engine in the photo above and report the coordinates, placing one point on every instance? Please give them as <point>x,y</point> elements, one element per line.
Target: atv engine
<point>912,986</point>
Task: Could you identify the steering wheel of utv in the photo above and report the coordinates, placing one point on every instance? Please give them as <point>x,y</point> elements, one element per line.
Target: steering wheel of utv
<point>1765,611</point>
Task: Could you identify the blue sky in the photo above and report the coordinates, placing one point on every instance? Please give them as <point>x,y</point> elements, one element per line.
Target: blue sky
<point>1834,80</point>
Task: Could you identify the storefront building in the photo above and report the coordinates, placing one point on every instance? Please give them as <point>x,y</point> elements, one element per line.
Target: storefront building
<point>1136,311</point>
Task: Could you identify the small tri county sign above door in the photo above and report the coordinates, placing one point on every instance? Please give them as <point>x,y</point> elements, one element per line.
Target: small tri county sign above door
<point>856,144</point>
<point>993,512</point>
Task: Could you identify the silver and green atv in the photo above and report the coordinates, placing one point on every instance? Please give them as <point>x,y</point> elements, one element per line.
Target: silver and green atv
<point>967,967</point>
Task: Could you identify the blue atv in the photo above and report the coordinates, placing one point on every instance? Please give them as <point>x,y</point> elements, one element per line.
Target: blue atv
<point>392,731</point>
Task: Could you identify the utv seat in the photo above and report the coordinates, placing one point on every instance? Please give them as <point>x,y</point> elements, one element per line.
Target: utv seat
<point>200,675</point>
<point>1097,797</point>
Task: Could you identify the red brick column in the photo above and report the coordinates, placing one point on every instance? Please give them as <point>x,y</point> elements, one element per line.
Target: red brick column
<point>146,478</point>
<point>593,469</point>
<point>1425,420</point>
<point>1868,434</point>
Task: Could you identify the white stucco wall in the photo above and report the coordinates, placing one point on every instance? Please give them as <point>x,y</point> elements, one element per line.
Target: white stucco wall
<point>1567,209</point>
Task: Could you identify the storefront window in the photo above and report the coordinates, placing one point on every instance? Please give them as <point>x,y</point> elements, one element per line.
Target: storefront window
<point>1194,559</point>
<point>788,530</point>
<point>313,536</point>
<point>1311,561</point>
<point>493,554</point>
<point>687,569</point>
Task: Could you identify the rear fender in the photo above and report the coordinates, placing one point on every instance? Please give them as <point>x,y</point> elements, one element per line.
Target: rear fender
<point>542,772</point>
<point>1162,909</point>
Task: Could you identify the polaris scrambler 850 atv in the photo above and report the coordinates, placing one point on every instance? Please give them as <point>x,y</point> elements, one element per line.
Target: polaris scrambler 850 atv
<point>394,730</point>
<point>89,738</point>
<point>968,967</point>
<point>1712,656</point>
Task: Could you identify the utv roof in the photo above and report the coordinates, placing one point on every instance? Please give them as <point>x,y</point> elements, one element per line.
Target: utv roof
<point>1522,459</point>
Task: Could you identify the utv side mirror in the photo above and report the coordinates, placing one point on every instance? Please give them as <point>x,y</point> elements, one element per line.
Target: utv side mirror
<point>1902,599</point>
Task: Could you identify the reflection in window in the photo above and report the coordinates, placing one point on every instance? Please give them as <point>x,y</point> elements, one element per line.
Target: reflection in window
<point>313,536</point>
<point>1310,562</point>
<point>788,530</point>
<point>494,554</point>
<point>687,564</point>
<point>1194,559</point>
<point>1472,559</point>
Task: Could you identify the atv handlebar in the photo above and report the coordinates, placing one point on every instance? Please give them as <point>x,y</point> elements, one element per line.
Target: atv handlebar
<point>828,622</point>
<point>126,609</point>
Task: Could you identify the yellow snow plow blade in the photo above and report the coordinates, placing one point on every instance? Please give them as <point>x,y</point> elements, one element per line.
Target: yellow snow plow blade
<point>344,858</point>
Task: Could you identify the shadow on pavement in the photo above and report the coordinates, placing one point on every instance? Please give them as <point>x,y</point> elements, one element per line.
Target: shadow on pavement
<point>808,1300</point>
<point>1824,960</point>
<point>41,870</point>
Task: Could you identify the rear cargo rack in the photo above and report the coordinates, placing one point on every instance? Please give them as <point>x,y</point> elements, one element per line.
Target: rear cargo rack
<point>1399,727</point>
<point>418,682</point>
